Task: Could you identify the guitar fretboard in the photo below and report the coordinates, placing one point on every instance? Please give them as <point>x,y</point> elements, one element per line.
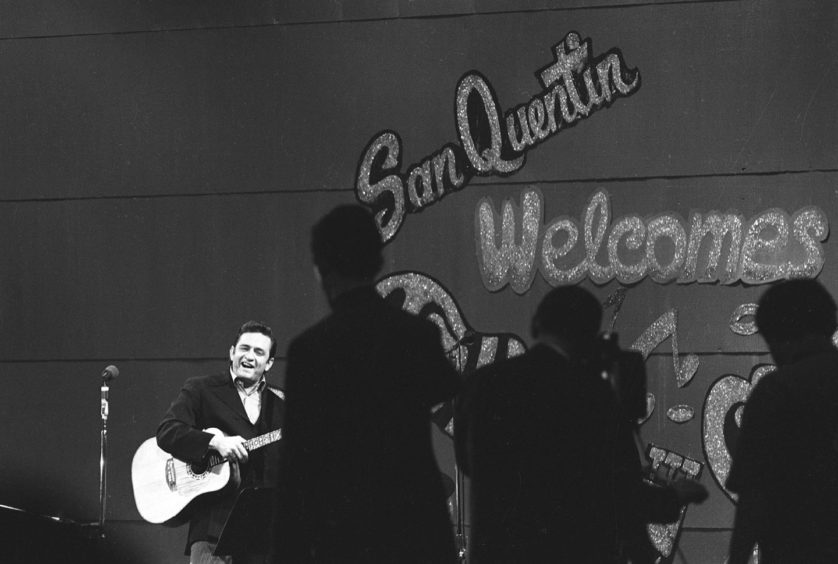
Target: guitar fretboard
<point>252,444</point>
<point>262,440</point>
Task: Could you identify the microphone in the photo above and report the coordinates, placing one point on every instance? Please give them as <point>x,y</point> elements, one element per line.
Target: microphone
<point>110,373</point>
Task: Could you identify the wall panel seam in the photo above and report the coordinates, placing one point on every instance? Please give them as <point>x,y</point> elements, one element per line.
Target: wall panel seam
<point>476,182</point>
<point>616,6</point>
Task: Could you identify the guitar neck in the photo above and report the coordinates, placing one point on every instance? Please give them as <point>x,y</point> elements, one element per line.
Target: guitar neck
<point>263,440</point>
<point>251,444</point>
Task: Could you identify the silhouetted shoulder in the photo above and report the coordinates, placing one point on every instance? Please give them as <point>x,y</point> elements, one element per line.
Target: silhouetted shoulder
<point>537,360</point>
<point>413,322</point>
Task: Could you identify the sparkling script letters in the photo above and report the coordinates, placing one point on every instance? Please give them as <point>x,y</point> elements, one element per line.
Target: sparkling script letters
<point>513,244</point>
<point>721,419</point>
<point>421,295</point>
<point>466,348</point>
<point>574,87</point>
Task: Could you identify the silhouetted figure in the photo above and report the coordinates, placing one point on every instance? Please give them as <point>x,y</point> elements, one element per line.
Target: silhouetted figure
<point>362,484</point>
<point>555,474</point>
<point>785,463</point>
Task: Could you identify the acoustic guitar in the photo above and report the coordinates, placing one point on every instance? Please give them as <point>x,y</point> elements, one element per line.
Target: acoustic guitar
<point>165,485</point>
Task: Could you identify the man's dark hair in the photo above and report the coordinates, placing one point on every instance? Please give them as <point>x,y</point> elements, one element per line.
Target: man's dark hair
<point>570,312</point>
<point>796,308</point>
<point>346,240</point>
<point>257,327</point>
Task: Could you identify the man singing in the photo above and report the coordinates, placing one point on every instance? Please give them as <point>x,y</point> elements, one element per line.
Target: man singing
<point>239,403</point>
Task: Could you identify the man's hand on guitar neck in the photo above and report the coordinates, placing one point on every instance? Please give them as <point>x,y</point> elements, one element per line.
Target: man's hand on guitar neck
<point>230,448</point>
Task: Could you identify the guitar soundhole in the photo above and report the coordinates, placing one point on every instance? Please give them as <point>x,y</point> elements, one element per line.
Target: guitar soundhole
<point>198,468</point>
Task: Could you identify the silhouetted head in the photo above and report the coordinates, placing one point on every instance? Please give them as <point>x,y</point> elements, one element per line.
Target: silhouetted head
<point>346,242</point>
<point>794,312</point>
<point>347,250</point>
<point>570,314</point>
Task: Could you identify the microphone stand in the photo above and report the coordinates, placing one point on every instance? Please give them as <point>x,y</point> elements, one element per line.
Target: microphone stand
<point>459,479</point>
<point>462,544</point>
<point>103,456</point>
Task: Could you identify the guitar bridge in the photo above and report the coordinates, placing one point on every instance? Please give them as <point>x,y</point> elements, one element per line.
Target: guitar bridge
<point>171,476</point>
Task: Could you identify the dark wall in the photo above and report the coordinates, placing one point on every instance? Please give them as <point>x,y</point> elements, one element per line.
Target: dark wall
<point>160,167</point>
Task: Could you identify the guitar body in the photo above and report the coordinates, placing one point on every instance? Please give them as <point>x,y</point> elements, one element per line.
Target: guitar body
<point>164,485</point>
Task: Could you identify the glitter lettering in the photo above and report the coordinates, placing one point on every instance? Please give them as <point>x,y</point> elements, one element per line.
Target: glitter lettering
<point>721,418</point>
<point>593,238</point>
<point>550,255</point>
<point>633,229</point>
<point>669,227</point>
<point>809,228</point>
<point>489,160</point>
<point>760,256</point>
<point>663,328</point>
<point>742,320</point>
<point>396,194</point>
<point>385,195</point>
<point>718,227</point>
<point>631,248</point>
<point>510,257</point>
<point>485,146</point>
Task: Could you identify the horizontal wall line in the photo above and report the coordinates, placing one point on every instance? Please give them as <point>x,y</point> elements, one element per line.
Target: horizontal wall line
<point>163,196</point>
<point>624,179</point>
<point>113,360</point>
<point>478,181</point>
<point>619,6</point>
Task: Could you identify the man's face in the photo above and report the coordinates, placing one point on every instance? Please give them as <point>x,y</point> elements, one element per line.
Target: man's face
<point>251,356</point>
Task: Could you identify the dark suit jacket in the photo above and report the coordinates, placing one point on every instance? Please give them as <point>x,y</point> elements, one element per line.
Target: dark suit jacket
<point>362,480</point>
<point>554,473</point>
<point>212,401</point>
<point>785,462</point>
